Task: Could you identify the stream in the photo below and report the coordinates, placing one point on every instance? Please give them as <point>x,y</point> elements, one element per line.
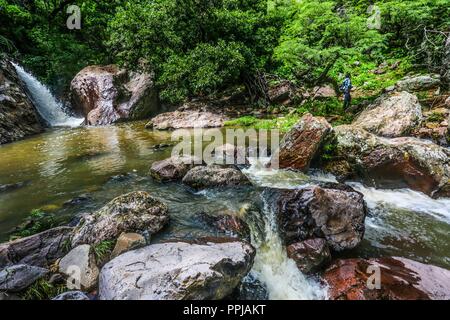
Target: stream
<point>100,163</point>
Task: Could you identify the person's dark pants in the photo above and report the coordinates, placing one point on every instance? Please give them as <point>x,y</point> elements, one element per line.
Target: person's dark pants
<point>347,100</point>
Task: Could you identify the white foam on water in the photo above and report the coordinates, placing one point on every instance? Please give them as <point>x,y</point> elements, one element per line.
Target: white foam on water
<point>405,199</point>
<point>283,279</point>
<point>46,104</point>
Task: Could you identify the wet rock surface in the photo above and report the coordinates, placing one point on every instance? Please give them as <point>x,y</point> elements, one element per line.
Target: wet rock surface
<point>310,255</point>
<point>401,279</point>
<point>330,211</point>
<point>214,176</point>
<point>173,168</point>
<point>18,115</point>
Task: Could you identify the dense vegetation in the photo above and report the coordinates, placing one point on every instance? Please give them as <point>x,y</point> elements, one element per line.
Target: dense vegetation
<point>199,47</point>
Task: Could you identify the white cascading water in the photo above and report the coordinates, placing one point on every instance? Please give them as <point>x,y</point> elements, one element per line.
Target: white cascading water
<point>46,104</point>
<point>283,279</point>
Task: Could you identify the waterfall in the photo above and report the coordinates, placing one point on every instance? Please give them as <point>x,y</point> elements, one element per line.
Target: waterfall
<point>49,109</point>
<point>283,279</point>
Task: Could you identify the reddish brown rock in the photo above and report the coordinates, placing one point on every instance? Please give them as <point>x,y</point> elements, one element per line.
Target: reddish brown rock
<point>397,162</point>
<point>310,255</point>
<point>302,143</point>
<point>107,94</point>
<point>401,279</point>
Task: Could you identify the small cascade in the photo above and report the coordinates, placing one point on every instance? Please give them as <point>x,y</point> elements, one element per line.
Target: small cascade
<point>283,279</point>
<point>47,106</point>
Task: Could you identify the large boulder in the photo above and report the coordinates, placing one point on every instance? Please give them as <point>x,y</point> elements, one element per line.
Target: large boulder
<point>19,277</point>
<point>397,162</point>
<point>393,116</point>
<point>229,223</point>
<point>418,83</point>
<point>172,169</point>
<point>40,250</point>
<point>301,144</point>
<point>187,119</point>
<point>107,94</point>
<point>81,261</point>
<point>132,212</point>
<point>214,176</point>
<point>177,271</point>
<point>400,279</point>
<point>330,211</point>
<point>18,115</point>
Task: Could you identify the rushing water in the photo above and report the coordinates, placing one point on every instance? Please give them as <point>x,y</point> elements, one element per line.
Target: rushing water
<point>46,104</point>
<point>104,162</point>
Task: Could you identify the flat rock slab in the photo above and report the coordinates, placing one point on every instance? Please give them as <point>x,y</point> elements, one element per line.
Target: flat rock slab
<point>177,271</point>
<point>19,277</point>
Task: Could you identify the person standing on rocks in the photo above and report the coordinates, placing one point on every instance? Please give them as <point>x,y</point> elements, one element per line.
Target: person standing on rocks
<point>346,87</point>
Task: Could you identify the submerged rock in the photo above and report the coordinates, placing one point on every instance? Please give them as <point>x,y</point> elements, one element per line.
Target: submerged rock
<point>330,211</point>
<point>136,211</point>
<point>107,94</point>
<point>172,169</point>
<point>310,255</point>
<point>186,119</point>
<point>302,143</point>
<point>19,277</point>
<point>72,295</point>
<point>177,271</point>
<point>81,259</point>
<point>40,250</point>
<point>214,176</point>
<point>400,279</point>
<point>18,115</point>
<point>393,116</point>
<point>396,162</point>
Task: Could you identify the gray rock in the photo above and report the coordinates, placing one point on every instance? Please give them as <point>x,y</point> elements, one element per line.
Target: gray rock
<point>393,116</point>
<point>214,176</point>
<point>18,115</point>
<point>173,168</point>
<point>133,212</point>
<point>177,271</point>
<point>186,119</point>
<point>419,83</point>
<point>81,261</point>
<point>40,250</point>
<point>19,277</point>
<point>107,94</point>
<point>72,295</point>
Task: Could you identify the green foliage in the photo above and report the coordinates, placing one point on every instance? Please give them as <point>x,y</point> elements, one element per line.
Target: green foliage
<point>37,221</point>
<point>103,249</point>
<point>283,124</point>
<point>436,117</point>
<point>195,47</point>
<point>43,290</point>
